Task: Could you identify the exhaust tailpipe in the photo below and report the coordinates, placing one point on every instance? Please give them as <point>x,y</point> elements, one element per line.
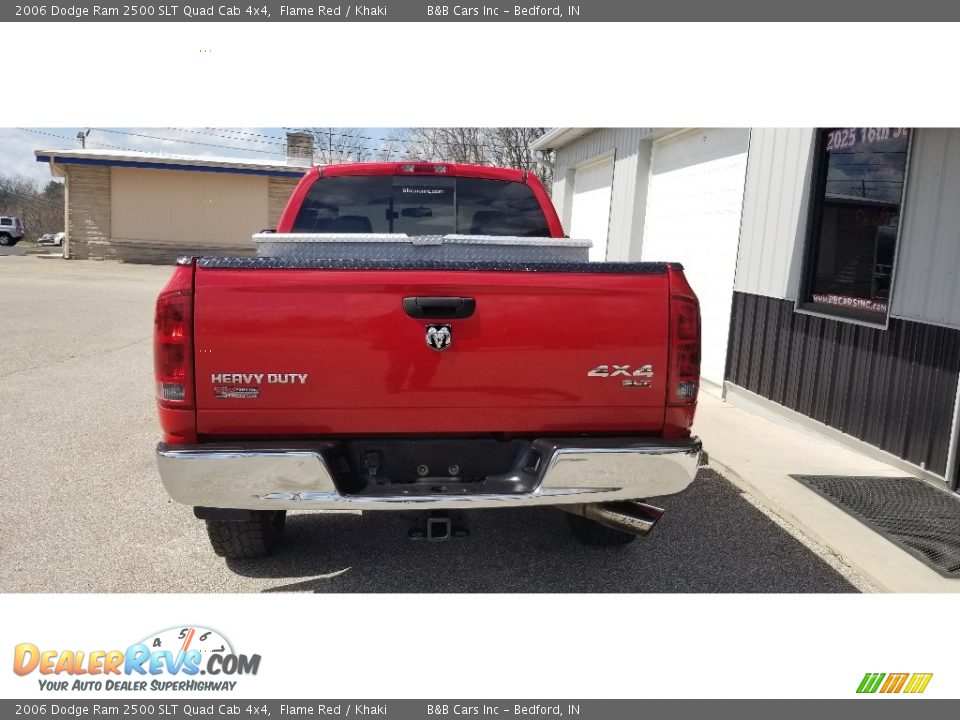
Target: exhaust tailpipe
<point>629,516</point>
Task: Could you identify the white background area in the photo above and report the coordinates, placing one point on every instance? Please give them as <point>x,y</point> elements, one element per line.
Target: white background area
<point>516,646</point>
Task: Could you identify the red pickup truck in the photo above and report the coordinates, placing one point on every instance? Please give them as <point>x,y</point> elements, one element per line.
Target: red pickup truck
<point>298,383</point>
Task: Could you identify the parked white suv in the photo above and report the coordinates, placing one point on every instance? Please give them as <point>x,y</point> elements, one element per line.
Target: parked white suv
<point>11,230</point>
<point>51,239</point>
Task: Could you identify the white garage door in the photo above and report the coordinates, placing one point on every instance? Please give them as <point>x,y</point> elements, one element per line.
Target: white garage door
<point>693,217</point>
<point>590,209</point>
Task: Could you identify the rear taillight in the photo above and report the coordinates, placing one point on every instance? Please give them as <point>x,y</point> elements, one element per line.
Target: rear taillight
<point>173,348</point>
<point>684,374</point>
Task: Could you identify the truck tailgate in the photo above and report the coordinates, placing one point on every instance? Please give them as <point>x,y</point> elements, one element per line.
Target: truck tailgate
<point>312,352</point>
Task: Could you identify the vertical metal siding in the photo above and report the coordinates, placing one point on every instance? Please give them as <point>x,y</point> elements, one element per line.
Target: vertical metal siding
<point>925,287</point>
<point>627,144</point>
<point>772,222</point>
<point>892,388</point>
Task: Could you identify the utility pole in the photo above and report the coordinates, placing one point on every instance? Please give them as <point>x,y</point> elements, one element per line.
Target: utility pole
<point>82,137</point>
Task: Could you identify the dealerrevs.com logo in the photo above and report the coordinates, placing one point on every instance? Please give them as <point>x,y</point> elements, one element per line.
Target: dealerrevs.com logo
<point>172,659</point>
<point>892,683</point>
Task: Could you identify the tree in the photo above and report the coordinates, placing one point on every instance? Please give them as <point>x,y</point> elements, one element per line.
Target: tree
<point>501,146</point>
<point>40,209</point>
<point>340,145</point>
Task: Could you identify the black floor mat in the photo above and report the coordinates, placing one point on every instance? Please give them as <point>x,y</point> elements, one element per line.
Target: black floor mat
<point>918,517</point>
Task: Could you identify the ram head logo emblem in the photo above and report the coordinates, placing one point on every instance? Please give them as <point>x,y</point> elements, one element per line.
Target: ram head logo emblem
<point>439,337</point>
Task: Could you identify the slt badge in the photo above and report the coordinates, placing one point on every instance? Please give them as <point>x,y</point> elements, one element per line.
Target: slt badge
<point>439,337</point>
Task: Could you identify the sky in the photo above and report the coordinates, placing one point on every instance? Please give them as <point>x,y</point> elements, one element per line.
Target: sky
<point>17,145</point>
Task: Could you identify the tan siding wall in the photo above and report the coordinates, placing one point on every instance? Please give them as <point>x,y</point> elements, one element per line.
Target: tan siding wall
<point>88,213</point>
<point>280,190</point>
<point>169,212</point>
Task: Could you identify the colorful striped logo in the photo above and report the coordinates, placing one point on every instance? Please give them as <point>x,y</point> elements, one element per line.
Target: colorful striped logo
<point>894,682</point>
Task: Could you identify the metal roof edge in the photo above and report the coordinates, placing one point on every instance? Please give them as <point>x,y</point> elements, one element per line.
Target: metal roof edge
<point>169,164</point>
<point>558,137</point>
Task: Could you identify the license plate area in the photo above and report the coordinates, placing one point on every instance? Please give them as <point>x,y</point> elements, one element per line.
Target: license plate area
<point>458,466</point>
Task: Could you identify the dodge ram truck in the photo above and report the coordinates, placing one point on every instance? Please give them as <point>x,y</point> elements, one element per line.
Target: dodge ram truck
<point>359,383</point>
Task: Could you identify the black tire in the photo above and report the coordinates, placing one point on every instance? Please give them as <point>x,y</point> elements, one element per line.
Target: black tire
<point>6,240</point>
<point>593,533</point>
<point>247,539</point>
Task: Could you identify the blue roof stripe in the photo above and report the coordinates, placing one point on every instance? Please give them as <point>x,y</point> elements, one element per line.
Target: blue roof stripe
<point>168,166</point>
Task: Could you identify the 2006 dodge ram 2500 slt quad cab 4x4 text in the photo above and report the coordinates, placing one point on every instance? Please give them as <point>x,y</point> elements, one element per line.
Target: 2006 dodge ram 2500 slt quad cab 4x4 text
<point>364,383</point>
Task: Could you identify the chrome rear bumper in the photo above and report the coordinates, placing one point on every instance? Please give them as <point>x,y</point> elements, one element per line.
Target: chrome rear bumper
<point>299,476</point>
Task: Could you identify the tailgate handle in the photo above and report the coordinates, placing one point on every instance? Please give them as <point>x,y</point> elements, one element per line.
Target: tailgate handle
<point>440,308</point>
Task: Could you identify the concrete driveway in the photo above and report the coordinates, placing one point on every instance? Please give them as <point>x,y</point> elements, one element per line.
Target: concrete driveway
<point>21,249</point>
<point>82,509</point>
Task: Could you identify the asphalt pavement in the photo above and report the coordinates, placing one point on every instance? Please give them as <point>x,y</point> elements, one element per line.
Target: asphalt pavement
<point>82,508</point>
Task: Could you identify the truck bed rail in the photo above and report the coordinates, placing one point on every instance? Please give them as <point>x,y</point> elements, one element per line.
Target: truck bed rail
<point>276,263</point>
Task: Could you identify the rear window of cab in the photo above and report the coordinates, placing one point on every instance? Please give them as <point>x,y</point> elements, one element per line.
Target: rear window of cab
<point>421,206</point>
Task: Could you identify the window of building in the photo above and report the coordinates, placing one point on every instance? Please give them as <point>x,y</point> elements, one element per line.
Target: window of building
<point>855,214</point>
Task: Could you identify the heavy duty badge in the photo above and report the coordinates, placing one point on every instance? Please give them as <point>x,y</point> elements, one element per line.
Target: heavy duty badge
<point>439,337</point>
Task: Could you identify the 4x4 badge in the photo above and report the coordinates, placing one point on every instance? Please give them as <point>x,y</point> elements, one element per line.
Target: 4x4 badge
<point>439,337</point>
<point>638,378</point>
<point>644,371</point>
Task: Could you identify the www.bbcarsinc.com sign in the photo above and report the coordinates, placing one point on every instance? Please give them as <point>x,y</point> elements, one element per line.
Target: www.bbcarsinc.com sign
<point>178,658</point>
